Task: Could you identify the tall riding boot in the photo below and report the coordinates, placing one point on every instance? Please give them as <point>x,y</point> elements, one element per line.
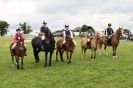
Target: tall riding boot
<point>12,52</point>
<point>25,54</point>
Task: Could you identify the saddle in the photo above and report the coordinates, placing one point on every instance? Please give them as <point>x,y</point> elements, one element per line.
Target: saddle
<point>109,40</point>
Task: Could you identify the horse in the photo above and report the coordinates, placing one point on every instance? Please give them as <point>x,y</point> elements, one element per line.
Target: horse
<point>19,52</point>
<point>90,43</point>
<point>49,47</point>
<point>114,42</point>
<point>85,44</point>
<point>68,47</point>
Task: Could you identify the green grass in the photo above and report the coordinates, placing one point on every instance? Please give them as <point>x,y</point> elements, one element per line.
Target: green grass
<point>81,73</point>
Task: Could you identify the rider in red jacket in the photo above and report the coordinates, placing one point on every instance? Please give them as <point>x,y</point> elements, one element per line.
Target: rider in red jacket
<point>18,38</point>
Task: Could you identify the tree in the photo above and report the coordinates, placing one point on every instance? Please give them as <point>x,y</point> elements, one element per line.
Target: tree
<point>77,29</point>
<point>91,30</point>
<point>88,29</point>
<point>26,28</point>
<point>3,27</point>
<point>84,28</point>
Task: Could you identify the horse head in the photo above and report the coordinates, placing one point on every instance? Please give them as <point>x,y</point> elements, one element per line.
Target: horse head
<point>20,45</point>
<point>69,43</point>
<point>119,31</point>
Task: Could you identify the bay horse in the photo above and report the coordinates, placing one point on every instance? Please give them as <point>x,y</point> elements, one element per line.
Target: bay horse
<point>68,47</point>
<point>114,42</point>
<point>90,43</point>
<point>49,47</point>
<point>19,52</point>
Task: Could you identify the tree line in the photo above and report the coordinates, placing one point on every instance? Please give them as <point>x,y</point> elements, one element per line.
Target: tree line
<point>5,25</point>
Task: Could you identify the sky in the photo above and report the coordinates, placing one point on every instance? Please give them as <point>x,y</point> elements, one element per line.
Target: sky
<point>57,13</point>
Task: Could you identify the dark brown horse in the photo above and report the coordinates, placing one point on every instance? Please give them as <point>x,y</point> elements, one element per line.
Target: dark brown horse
<point>68,47</point>
<point>90,43</point>
<point>114,41</point>
<point>49,47</point>
<point>19,52</point>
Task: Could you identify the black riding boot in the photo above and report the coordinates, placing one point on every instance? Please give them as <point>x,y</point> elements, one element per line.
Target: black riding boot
<point>12,52</point>
<point>25,54</point>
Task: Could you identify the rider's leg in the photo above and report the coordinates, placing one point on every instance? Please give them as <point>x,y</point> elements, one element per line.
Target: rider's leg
<point>13,48</point>
<point>25,54</point>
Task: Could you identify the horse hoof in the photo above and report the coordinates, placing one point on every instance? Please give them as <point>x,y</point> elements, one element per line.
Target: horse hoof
<point>37,61</point>
<point>62,60</point>
<point>50,65</point>
<point>67,62</point>
<point>12,65</point>
<point>100,54</point>
<point>45,65</point>
<point>113,57</point>
<point>22,68</point>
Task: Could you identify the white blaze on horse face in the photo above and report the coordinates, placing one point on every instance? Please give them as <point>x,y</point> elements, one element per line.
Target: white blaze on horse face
<point>43,37</point>
<point>88,39</point>
<point>18,37</point>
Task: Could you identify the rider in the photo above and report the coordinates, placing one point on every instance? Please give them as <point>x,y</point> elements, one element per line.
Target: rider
<point>18,37</point>
<point>67,32</point>
<point>44,29</point>
<point>109,31</point>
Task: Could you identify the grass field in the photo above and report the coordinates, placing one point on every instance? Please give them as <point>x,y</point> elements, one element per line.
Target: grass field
<point>81,73</point>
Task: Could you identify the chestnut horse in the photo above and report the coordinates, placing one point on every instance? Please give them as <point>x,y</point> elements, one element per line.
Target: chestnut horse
<point>19,52</point>
<point>114,41</point>
<point>85,44</point>
<point>90,43</point>
<point>68,47</point>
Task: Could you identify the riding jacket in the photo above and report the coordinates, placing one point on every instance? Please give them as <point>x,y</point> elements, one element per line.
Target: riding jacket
<point>44,30</point>
<point>67,33</point>
<point>18,37</point>
<point>109,31</point>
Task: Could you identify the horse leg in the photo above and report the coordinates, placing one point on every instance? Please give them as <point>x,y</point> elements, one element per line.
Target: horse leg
<point>82,49</point>
<point>67,57</point>
<point>46,55</point>
<point>17,60</point>
<point>61,55</point>
<point>85,52</point>
<point>12,61</point>
<point>36,55</point>
<point>22,63</point>
<point>95,54</point>
<point>57,55</point>
<point>70,56</point>
<point>114,52</point>
<point>92,54</point>
<point>99,49</point>
<point>105,47</point>
<point>50,58</point>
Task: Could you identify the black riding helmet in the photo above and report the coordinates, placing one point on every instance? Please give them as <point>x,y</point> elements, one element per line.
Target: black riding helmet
<point>18,29</point>
<point>109,24</point>
<point>44,22</point>
<point>66,25</point>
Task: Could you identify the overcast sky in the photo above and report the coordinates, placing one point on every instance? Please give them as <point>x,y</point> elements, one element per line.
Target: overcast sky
<point>57,13</point>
